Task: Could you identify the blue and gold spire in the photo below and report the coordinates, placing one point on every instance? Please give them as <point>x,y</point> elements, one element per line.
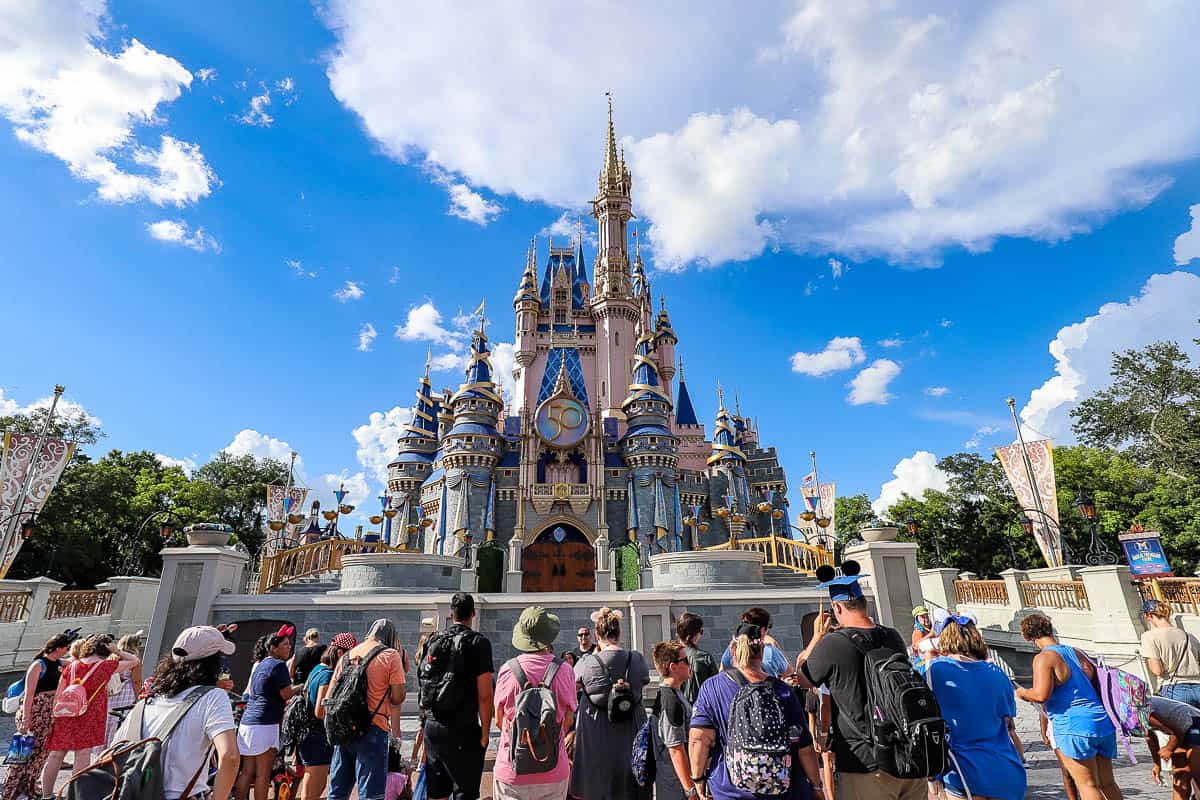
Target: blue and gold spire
<point>528,288</point>
<point>580,286</point>
<point>424,420</point>
<point>646,384</point>
<point>685,412</point>
<point>479,370</point>
<point>725,437</point>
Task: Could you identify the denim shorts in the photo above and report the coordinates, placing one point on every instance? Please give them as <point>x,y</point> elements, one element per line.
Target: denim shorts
<point>1081,748</point>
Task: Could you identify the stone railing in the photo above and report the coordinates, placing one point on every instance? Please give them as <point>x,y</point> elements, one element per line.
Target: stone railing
<point>1055,594</point>
<point>1182,593</point>
<point>311,559</point>
<point>14,606</point>
<point>981,592</point>
<point>92,603</point>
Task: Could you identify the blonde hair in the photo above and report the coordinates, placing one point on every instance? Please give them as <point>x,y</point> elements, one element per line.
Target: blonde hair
<point>666,654</point>
<point>75,647</point>
<point>130,643</point>
<point>746,651</point>
<point>312,635</point>
<point>97,644</point>
<point>608,624</point>
<point>963,640</point>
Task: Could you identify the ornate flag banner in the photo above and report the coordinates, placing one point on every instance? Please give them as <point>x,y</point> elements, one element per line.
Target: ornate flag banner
<point>1041,462</point>
<point>808,497</point>
<point>1144,551</point>
<point>276,495</point>
<point>17,463</point>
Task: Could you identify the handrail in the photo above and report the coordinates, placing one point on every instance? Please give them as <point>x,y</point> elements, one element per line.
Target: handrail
<point>988,593</point>
<point>1182,593</point>
<point>85,603</point>
<point>777,551</point>
<point>312,559</point>
<point>14,606</point>
<point>1055,594</point>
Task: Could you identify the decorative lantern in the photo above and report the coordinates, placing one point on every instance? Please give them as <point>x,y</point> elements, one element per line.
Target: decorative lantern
<point>166,530</point>
<point>275,525</point>
<point>295,519</point>
<point>329,515</point>
<point>823,522</point>
<point>1027,526</point>
<point>777,513</point>
<point>391,513</point>
<point>345,508</point>
<point>30,525</point>
<point>1086,505</point>
<point>376,519</point>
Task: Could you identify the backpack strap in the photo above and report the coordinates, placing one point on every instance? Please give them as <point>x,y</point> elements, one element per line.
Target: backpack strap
<point>551,671</point>
<point>514,666</point>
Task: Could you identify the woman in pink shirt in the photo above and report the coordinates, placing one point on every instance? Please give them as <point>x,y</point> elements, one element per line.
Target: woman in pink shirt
<point>534,636</point>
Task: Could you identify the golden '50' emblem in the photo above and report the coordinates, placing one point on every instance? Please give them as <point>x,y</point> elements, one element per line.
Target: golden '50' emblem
<point>561,422</point>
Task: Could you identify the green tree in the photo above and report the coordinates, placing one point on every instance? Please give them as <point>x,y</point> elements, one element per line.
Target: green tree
<point>1151,410</point>
<point>850,514</point>
<point>234,491</point>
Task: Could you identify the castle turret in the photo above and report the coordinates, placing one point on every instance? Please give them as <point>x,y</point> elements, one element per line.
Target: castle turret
<point>664,344</point>
<point>418,441</point>
<point>527,305</point>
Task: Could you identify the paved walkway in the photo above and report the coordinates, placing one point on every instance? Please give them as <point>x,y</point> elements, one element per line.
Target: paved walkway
<point>1045,780</point>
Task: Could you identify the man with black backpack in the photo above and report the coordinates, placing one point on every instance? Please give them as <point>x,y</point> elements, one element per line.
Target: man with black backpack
<point>455,679</point>
<point>888,735</point>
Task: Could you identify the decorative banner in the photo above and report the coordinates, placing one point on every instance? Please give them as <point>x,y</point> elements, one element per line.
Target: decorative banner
<point>809,496</point>
<point>17,463</point>
<point>1041,461</point>
<point>1144,551</point>
<point>281,499</point>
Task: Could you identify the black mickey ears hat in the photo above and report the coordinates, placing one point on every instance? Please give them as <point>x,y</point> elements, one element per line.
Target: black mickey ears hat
<point>845,586</point>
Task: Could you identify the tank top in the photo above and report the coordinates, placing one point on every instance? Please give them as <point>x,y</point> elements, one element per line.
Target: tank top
<point>1074,707</point>
<point>49,676</point>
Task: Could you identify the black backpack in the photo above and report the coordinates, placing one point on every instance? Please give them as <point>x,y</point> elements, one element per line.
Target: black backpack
<point>133,770</point>
<point>905,723</point>
<point>758,754</point>
<point>299,719</point>
<point>442,676</point>
<point>621,701</point>
<point>347,715</point>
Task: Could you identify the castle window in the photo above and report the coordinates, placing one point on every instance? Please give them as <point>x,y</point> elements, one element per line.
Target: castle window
<point>560,296</point>
<point>560,316</point>
<point>617,338</point>
<point>603,388</point>
<point>616,473</point>
<point>653,440</point>
<point>470,439</point>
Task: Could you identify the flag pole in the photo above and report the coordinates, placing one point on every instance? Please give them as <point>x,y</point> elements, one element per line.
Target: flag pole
<point>1055,546</point>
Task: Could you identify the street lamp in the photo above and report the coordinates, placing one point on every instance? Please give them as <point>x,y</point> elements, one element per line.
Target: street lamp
<point>1098,553</point>
<point>166,531</point>
<point>1028,525</point>
<point>698,525</point>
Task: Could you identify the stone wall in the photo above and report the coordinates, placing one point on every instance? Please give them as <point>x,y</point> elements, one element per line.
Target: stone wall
<point>717,569</point>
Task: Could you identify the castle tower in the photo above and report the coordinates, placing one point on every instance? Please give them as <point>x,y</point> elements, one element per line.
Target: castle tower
<point>414,463</point>
<point>527,306</point>
<point>651,452</point>
<point>614,307</point>
<point>727,471</point>
<point>664,345</point>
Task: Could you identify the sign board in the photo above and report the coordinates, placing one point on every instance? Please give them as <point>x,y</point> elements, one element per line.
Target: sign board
<point>1144,551</point>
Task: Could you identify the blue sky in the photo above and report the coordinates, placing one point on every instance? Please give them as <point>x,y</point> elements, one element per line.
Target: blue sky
<point>1001,218</point>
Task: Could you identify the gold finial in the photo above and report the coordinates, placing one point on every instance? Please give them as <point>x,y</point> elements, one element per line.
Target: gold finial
<point>611,165</point>
<point>720,398</point>
<point>662,301</point>
<point>428,360</point>
<point>637,245</point>
<point>579,232</point>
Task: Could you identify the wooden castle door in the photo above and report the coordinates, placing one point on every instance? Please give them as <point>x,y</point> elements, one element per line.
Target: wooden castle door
<point>560,560</point>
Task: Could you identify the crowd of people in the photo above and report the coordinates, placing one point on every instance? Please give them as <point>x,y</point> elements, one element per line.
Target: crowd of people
<point>574,722</point>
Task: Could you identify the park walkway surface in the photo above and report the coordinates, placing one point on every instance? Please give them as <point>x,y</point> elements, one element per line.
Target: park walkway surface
<point>1044,777</point>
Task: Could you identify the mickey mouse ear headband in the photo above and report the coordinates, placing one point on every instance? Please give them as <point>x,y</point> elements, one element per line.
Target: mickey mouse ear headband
<point>841,587</point>
<point>72,634</point>
<point>287,630</point>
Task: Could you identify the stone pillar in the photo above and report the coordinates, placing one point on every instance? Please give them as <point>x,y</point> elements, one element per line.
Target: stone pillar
<point>512,576</point>
<point>650,624</point>
<point>937,586</point>
<point>132,603</point>
<point>1012,582</point>
<point>894,585</point>
<point>195,575</point>
<point>28,641</point>
<point>603,561</point>
<point>41,588</point>
<point>1116,613</point>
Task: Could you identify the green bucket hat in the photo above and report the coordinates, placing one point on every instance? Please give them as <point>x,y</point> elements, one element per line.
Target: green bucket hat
<point>535,630</point>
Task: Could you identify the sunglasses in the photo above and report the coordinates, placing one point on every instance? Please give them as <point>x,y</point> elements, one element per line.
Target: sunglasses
<point>582,635</point>
<point>680,660</point>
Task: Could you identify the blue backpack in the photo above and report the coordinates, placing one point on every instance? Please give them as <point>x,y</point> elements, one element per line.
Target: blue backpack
<point>644,764</point>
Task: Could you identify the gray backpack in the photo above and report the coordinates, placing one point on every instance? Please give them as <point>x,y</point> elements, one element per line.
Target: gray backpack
<point>133,770</point>
<point>534,741</point>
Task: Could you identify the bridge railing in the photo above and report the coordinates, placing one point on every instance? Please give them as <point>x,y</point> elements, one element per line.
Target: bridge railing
<point>779,552</point>
<point>988,593</point>
<point>311,559</point>
<point>1055,594</point>
<point>86,603</point>
<point>14,606</point>
<point>1182,593</point>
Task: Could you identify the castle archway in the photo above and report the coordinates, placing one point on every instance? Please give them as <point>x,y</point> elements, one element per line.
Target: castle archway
<point>560,559</point>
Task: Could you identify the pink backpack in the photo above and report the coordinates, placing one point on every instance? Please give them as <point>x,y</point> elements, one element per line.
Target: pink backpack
<point>73,701</point>
<point>1126,699</point>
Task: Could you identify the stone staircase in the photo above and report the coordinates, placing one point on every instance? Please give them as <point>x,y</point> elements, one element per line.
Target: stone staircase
<point>783,578</point>
<point>311,584</point>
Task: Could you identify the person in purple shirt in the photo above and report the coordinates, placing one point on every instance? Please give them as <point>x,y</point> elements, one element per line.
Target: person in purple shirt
<point>710,727</point>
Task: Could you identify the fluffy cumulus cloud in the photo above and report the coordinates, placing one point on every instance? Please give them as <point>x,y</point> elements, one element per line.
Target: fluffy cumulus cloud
<point>352,290</point>
<point>842,352</point>
<point>870,386</point>
<point>424,324</point>
<point>188,465</point>
<point>177,231</point>
<point>67,95</point>
<point>468,204</point>
<point>377,440</point>
<point>67,409</point>
<point>260,445</point>
<point>1187,244</point>
<point>913,475</point>
<point>823,125</point>
<point>1165,309</point>
<point>366,337</point>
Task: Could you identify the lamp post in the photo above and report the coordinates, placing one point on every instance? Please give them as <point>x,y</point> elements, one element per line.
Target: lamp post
<point>1046,522</point>
<point>696,524</point>
<point>913,527</point>
<point>1098,553</point>
<point>166,530</point>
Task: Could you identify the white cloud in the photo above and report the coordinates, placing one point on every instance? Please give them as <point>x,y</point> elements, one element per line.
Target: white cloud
<point>249,442</point>
<point>377,440</point>
<point>503,360</point>
<point>424,324</point>
<point>68,97</point>
<point>395,277</point>
<point>937,391</point>
<point>1165,309</point>
<point>178,232</point>
<point>825,125</point>
<point>567,227</point>
<point>206,74</point>
<point>913,476</point>
<point>947,323</point>
<point>67,409</point>
<point>447,362</point>
<point>894,341</point>
<point>256,113</point>
<point>1187,244</point>
<point>837,268</point>
<point>871,384</point>
<point>842,352</point>
<point>8,406</point>
<point>366,337</point>
<point>188,465</point>
<point>298,268</point>
<point>351,291</point>
<point>979,435</point>
<point>468,204</point>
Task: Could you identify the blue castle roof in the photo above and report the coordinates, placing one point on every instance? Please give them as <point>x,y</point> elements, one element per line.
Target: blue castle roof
<point>424,420</point>
<point>685,413</point>
<point>478,381</point>
<point>554,362</point>
<point>645,384</point>
<point>725,438</point>
<point>576,275</point>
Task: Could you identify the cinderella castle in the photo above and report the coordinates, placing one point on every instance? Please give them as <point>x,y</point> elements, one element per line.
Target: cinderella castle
<point>604,462</point>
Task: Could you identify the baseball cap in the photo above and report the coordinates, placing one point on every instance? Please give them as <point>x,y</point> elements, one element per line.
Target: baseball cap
<point>200,642</point>
<point>919,610</point>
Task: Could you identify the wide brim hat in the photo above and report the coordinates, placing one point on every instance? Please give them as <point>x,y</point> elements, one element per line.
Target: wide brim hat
<point>536,629</point>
